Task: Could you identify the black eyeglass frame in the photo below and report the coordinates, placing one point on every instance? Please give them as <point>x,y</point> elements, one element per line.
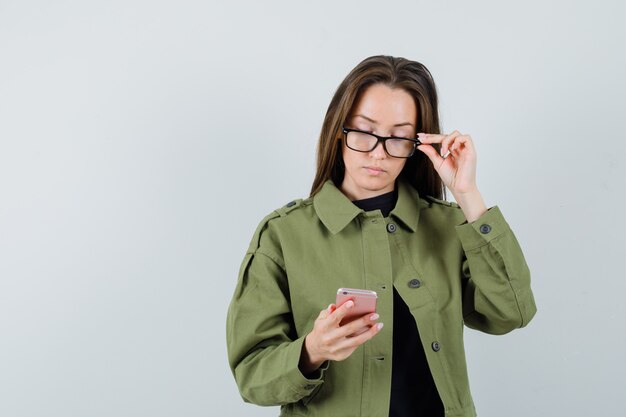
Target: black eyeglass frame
<point>382,139</point>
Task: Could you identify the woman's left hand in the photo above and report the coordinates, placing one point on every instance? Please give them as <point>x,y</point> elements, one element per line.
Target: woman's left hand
<point>458,169</point>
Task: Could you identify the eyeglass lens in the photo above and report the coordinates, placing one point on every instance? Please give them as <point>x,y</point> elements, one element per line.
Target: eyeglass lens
<point>364,142</point>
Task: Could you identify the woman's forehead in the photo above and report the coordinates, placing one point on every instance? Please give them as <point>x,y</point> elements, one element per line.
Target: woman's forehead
<point>381,105</point>
<point>366,118</point>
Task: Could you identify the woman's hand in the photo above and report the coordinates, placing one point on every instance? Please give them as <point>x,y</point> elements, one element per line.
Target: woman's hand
<point>330,341</point>
<point>457,169</point>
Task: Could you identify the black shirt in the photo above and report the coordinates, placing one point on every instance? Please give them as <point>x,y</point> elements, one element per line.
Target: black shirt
<point>413,391</point>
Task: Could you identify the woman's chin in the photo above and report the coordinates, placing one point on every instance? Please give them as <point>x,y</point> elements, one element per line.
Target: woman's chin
<point>374,183</point>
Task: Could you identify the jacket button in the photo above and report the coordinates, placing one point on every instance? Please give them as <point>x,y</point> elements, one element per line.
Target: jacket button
<point>485,228</point>
<point>291,203</point>
<point>415,283</point>
<point>436,346</point>
<point>391,227</point>
<point>309,386</point>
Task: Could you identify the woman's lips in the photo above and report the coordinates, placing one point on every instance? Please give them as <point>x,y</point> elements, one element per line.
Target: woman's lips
<point>374,170</point>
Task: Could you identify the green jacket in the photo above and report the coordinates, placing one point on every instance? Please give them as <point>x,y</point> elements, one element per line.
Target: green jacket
<point>448,271</point>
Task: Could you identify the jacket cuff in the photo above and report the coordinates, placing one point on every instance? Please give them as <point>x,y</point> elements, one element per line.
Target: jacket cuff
<point>482,230</point>
<point>299,383</point>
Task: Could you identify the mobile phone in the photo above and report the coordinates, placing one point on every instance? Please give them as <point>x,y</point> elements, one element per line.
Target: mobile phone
<point>364,302</point>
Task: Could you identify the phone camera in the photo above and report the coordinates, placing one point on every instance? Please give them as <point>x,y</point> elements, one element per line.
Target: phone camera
<point>345,293</point>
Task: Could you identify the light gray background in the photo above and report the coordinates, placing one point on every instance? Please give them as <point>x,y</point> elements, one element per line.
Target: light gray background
<point>141,142</point>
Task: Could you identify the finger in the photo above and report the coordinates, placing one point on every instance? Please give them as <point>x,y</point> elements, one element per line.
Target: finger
<point>326,312</point>
<point>350,342</point>
<point>448,140</point>
<point>463,143</point>
<point>358,332</point>
<point>457,145</point>
<point>354,326</point>
<point>433,137</point>
<point>468,143</point>
<point>341,311</point>
<point>432,154</point>
<point>430,137</point>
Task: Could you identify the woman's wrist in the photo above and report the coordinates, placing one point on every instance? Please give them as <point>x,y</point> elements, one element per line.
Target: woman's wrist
<point>471,203</point>
<point>309,363</point>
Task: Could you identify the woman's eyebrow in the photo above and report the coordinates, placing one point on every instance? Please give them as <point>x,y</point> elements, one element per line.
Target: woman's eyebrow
<point>375,122</point>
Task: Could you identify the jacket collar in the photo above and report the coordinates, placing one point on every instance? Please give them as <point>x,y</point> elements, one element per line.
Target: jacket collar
<point>336,210</point>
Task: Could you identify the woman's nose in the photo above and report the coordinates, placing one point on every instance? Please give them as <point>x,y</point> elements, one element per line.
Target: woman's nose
<point>379,151</point>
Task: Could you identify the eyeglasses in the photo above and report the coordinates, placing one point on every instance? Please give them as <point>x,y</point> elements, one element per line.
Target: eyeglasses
<point>360,141</point>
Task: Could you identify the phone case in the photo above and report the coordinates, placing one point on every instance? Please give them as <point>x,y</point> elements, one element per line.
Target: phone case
<point>364,302</point>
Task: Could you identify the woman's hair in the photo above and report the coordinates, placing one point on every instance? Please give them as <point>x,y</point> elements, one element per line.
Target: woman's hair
<point>394,72</point>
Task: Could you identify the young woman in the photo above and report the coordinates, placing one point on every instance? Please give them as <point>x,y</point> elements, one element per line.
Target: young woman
<point>375,220</point>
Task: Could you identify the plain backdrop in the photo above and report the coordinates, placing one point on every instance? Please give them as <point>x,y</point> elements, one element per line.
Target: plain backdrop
<point>141,142</point>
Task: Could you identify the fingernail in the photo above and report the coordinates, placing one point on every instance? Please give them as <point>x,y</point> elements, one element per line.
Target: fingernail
<point>349,304</point>
<point>329,306</point>
<point>379,326</point>
<point>374,316</point>
<point>421,136</point>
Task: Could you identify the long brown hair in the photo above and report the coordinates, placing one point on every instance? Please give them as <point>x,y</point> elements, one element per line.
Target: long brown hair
<point>395,72</point>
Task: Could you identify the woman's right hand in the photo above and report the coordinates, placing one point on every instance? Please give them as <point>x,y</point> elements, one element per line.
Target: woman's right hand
<point>330,341</point>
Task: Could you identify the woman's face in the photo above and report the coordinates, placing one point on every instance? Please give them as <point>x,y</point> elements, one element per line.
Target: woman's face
<point>385,112</point>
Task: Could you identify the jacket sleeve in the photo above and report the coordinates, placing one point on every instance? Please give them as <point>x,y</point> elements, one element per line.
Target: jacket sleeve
<point>497,297</point>
<point>263,348</point>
